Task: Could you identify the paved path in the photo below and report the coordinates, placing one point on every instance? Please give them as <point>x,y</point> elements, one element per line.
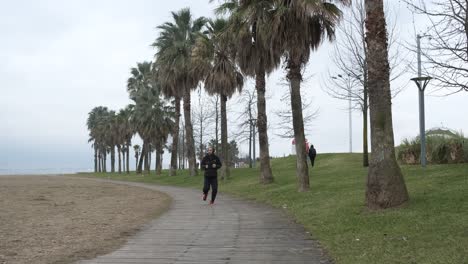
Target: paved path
<point>232,231</point>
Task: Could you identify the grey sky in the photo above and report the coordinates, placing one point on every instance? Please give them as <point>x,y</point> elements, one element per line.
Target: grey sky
<point>62,58</point>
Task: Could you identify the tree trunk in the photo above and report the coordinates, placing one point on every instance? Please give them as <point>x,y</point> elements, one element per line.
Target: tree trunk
<point>136,163</point>
<point>95,159</point>
<point>200,157</point>
<point>189,135</point>
<point>99,162</point>
<point>265,169</point>
<point>250,141</point>
<point>113,159</point>
<point>148,166</point>
<point>124,153</point>
<point>158,167</point>
<point>128,158</point>
<point>365,110</point>
<point>104,162</point>
<point>175,139</point>
<point>365,155</point>
<point>225,171</point>
<point>302,171</point>
<point>147,159</point>
<point>385,184</point>
<point>142,156</point>
<point>216,125</point>
<point>119,153</point>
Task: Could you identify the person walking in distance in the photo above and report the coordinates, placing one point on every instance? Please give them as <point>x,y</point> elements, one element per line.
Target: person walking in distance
<point>312,154</point>
<point>210,164</point>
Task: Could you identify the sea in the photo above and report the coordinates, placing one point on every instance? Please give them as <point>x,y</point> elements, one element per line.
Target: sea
<point>43,171</point>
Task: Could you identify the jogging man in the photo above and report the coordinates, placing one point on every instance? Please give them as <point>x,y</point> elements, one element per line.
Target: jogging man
<point>210,164</point>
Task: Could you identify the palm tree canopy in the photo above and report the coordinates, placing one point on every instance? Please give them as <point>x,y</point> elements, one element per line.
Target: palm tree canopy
<point>250,23</point>
<point>141,78</point>
<point>214,59</point>
<point>174,48</point>
<point>300,26</point>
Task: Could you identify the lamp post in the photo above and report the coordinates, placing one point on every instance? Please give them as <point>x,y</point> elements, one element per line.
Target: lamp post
<point>421,83</point>
<point>350,120</point>
<point>253,124</point>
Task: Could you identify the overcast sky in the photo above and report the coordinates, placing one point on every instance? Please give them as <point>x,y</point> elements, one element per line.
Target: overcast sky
<point>59,59</point>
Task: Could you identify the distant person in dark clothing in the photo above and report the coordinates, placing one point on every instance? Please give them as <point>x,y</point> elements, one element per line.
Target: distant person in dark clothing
<point>312,154</point>
<point>210,164</point>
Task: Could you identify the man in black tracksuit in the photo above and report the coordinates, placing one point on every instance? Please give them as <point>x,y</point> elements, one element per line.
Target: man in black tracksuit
<point>312,154</point>
<point>210,164</point>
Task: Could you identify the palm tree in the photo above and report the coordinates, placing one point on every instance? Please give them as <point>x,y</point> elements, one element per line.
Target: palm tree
<point>255,57</point>
<point>127,133</point>
<point>97,124</point>
<point>136,149</point>
<point>385,184</point>
<point>140,82</point>
<point>92,123</point>
<point>214,59</point>
<point>173,60</point>
<point>297,28</point>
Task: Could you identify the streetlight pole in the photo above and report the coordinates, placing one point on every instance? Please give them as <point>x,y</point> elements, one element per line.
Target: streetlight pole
<point>253,123</point>
<point>350,121</point>
<point>421,87</point>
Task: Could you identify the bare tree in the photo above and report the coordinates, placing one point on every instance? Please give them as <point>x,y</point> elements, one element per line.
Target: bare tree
<point>349,57</point>
<point>284,126</point>
<point>247,122</point>
<point>446,49</point>
<point>203,116</point>
<point>214,103</point>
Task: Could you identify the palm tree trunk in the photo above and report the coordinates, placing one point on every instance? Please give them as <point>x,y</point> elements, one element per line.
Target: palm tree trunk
<point>385,184</point>
<point>113,159</point>
<point>104,162</point>
<point>189,135</point>
<point>158,167</point>
<point>225,171</point>
<point>148,165</point>
<point>295,78</point>
<point>147,159</point>
<point>99,161</point>
<point>95,159</point>
<point>142,156</point>
<point>128,158</point>
<point>175,139</point>
<point>265,169</point>
<point>365,155</point>
<point>123,159</point>
<point>119,153</point>
<point>217,124</point>
<point>250,141</point>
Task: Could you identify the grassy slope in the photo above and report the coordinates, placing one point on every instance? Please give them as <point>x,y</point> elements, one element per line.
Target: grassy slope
<point>431,228</point>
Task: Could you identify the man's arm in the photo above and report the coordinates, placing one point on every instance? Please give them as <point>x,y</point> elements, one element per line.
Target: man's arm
<point>218,163</point>
<point>203,164</point>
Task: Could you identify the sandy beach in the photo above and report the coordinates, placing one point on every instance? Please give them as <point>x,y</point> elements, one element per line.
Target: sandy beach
<point>50,219</point>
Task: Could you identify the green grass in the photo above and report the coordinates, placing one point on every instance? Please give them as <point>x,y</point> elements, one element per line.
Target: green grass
<point>431,228</point>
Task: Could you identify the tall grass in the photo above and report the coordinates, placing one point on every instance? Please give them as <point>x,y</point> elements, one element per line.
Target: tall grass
<point>442,147</point>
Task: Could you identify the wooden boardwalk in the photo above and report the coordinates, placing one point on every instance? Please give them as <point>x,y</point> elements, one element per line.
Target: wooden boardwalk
<point>232,231</point>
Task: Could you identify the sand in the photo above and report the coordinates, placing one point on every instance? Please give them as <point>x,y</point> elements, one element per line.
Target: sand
<point>48,219</point>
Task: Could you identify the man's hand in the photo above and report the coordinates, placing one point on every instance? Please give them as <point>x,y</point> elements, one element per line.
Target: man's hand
<point>206,166</point>
<point>214,165</point>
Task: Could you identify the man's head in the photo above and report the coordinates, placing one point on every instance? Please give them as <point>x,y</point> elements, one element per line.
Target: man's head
<point>210,150</point>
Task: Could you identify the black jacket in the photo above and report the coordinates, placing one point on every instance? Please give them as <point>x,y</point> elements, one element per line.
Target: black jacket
<point>312,153</point>
<point>210,160</point>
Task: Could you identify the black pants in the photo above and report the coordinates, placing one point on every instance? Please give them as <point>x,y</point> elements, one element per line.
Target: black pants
<point>213,182</point>
<point>312,160</point>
